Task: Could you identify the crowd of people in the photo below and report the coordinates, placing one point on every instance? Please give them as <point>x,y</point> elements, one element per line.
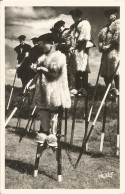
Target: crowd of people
<point>60,55</point>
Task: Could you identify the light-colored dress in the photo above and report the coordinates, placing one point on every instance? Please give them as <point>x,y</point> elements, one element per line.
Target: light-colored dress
<point>110,58</point>
<point>52,87</point>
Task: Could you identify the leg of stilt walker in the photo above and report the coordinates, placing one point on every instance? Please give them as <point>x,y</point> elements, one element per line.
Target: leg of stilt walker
<point>40,149</point>
<point>73,119</point>
<point>18,122</point>
<point>28,103</point>
<point>103,126</point>
<point>118,136</point>
<point>59,167</point>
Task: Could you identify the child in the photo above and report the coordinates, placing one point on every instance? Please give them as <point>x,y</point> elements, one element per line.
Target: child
<point>52,89</point>
<point>24,72</point>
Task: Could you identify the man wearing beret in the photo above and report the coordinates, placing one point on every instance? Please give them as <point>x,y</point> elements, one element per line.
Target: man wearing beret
<point>81,36</point>
<point>109,47</point>
<point>23,67</point>
<point>34,40</point>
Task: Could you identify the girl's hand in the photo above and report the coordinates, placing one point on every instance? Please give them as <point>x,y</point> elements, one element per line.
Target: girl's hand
<point>17,66</point>
<point>34,66</point>
<point>106,47</point>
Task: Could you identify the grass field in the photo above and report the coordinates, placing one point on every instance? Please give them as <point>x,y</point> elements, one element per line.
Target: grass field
<point>95,170</point>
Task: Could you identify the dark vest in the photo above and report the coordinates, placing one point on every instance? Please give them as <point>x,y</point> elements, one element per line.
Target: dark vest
<point>21,50</point>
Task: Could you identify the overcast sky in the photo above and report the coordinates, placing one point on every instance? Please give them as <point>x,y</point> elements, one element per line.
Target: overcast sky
<point>35,21</point>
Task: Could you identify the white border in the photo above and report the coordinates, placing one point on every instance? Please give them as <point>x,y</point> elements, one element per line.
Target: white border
<point>93,3</point>
<point>2,96</point>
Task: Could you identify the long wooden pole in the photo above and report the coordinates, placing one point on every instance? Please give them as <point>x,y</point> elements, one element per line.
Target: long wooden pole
<point>98,112</point>
<point>22,100</point>
<point>11,93</point>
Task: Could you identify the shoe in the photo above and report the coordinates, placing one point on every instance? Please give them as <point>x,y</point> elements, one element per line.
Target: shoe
<point>52,140</point>
<point>73,92</point>
<point>114,92</point>
<point>82,92</point>
<point>41,138</point>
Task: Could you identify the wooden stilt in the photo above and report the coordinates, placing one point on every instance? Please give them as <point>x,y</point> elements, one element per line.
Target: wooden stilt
<point>86,116</point>
<point>118,134</point>
<point>59,154</point>
<point>40,149</point>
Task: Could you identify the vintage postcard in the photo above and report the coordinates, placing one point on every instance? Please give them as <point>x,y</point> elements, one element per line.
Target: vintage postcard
<point>62,96</point>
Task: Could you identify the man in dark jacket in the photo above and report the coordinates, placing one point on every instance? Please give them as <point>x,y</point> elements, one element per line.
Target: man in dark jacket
<point>36,51</point>
<point>23,68</point>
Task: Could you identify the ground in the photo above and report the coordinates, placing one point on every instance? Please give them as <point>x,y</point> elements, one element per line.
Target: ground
<point>95,170</point>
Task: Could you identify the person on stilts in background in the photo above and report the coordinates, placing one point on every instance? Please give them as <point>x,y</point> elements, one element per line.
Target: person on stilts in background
<point>57,31</point>
<point>81,42</point>
<point>23,68</point>
<point>62,40</point>
<point>109,47</point>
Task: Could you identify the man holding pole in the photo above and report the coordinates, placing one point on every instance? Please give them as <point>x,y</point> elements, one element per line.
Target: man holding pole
<point>23,68</point>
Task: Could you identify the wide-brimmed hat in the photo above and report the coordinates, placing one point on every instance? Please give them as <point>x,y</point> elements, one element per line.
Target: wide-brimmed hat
<point>21,37</point>
<point>108,12</point>
<point>34,38</point>
<point>76,13</point>
<point>48,37</point>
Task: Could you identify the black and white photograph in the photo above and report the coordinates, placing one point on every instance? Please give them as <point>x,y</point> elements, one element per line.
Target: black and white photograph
<point>60,102</point>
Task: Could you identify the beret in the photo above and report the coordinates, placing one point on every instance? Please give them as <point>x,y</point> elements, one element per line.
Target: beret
<point>59,24</point>
<point>21,37</point>
<point>76,13</point>
<point>34,38</point>
<point>47,38</point>
<point>110,11</point>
